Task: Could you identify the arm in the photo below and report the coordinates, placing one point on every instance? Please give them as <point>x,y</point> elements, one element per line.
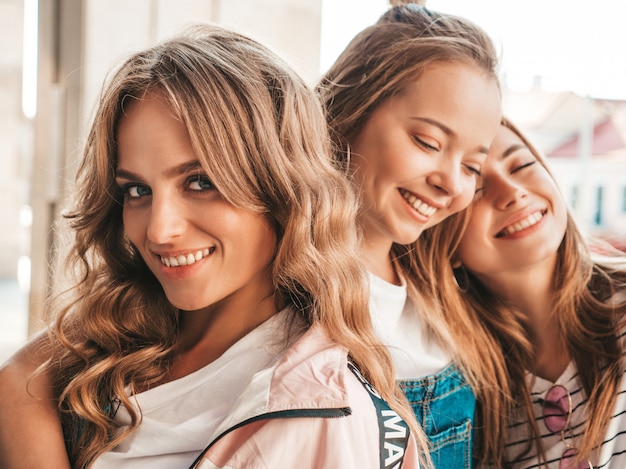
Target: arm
<point>30,429</point>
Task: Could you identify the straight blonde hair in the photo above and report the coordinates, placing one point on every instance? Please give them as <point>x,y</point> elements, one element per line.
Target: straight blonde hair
<point>590,329</point>
<point>378,64</point>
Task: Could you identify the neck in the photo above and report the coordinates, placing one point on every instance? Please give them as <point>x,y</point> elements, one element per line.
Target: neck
<point>377,258</point>
<point>531,292</point>
<point>205,335</point>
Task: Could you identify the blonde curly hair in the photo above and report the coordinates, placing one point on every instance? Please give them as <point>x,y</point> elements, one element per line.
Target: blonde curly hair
<point>114,329</point>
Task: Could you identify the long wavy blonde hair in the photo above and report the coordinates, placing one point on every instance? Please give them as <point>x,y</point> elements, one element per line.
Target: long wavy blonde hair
<point>590,329</point>
<point>114,328</point>
<point>378,64</point>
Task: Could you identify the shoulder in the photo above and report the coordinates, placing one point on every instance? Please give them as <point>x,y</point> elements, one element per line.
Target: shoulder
<point>321,410</point>
<point>17,371</point>
<point>29,412</point>
<point>316,440</point>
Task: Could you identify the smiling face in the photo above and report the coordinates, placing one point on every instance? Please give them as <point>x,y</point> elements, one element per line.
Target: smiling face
<point>518,218</point>
<point>418,157</point>
<point>203,250</point>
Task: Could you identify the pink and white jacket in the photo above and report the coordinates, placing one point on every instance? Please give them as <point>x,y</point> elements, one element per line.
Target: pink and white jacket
<point>311,411</point>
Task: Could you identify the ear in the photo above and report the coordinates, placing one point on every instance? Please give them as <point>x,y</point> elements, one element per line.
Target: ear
<point>456,262</point>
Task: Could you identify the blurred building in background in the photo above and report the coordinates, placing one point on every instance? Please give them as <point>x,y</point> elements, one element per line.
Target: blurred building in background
<point>16,148</point>
<point>15,140</point>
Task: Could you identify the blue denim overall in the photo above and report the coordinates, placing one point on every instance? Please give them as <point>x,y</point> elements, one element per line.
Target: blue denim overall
<point>444,405</point>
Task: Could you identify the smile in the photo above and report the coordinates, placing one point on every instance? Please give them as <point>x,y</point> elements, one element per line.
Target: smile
<point>527,222</point>
<point>417,204</point>
<point>187,259</point>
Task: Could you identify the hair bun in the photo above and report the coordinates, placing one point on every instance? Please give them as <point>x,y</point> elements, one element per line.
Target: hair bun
<point>397,3</point>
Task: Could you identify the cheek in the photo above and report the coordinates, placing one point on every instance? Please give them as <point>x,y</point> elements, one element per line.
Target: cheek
<point>247,232</point>
<point>132,226</point>
<point>464,199</point>
<point>265,243</point>
<point>560,210</point>
<point>471,248</point>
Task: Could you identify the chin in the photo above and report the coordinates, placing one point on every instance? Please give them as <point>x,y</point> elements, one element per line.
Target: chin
<point>184,304</point>
<point>414,236</point>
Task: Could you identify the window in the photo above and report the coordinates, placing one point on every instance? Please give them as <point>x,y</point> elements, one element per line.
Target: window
<point>573,196</point>
<point>598,217</point>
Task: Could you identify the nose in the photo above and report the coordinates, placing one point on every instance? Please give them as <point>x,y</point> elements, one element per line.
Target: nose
<point>506,192</point>
<point>447,178</point>
<point>167,219</point>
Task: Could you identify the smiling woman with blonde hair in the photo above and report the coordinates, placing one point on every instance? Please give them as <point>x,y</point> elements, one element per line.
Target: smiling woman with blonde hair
<point>219,316</point>
<point>412,104</point>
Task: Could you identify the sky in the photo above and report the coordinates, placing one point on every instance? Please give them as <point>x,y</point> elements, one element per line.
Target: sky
<point>572,45</point>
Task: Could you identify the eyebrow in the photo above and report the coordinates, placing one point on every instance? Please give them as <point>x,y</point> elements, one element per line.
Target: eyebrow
<point>512,149</point>
<point>175,171</point>
<point>446,130</point>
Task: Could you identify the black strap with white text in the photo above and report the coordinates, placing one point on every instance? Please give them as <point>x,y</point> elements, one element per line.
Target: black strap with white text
<point>394,432</point>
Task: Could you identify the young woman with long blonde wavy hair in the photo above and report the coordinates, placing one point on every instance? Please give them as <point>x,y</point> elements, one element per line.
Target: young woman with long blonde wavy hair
<point>219,312</point>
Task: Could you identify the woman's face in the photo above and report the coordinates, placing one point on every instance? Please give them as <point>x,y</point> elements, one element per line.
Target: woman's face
<point>519,216</point>
<point>418,157</point>
<point>203,250</point>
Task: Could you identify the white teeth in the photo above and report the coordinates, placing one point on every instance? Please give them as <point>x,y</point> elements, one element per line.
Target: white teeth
<point>417,204</point>
<point>186,259</point>
<point>530,220</point>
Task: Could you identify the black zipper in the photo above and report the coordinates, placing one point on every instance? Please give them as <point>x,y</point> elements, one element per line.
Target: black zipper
<point>284,414</point>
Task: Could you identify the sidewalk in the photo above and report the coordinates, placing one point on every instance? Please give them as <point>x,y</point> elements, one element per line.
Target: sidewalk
<point>13,317</point>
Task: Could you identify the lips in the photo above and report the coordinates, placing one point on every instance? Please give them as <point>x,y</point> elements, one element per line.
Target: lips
<point>527,222</point>
<point>186,259</point>
<point>418,204</point>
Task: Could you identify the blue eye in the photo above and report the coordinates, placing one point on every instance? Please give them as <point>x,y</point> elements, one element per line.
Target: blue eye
<point>134,191</point>
<point>200,183</point>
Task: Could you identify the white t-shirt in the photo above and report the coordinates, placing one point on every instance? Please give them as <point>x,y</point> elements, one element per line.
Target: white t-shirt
<point>180,417</point>
<point>397,324</point>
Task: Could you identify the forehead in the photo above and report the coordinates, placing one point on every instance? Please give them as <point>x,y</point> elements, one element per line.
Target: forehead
<point>149,131</point>
<point>505,137</point>
<point>457,76</point>
<point>505,143</point>
<point>456,93</point>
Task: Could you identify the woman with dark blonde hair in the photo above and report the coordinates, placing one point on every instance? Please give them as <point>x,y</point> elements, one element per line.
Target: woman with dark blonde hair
<point>413,104</point>
<point>218,315</point>
<point>554,304</point>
